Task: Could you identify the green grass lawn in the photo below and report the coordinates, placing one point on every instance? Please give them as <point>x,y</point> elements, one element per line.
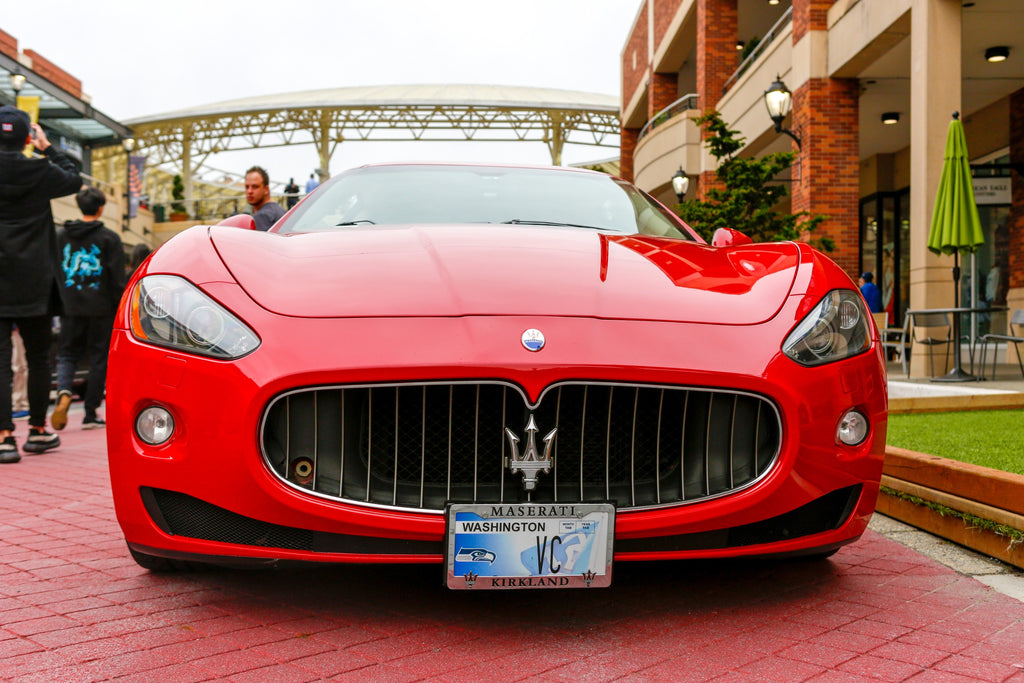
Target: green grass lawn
<point>993,438</point>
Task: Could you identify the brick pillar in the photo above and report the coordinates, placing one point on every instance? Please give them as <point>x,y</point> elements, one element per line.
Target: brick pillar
<point>810,15</point>
<point>1016,220</point>
<point>826,176</point>
<point>53,73</point>
<point>8,45</point>
<point>1015,223</point>
<point>663,92</point>
<point>627,145</point>
<point>717,59</point>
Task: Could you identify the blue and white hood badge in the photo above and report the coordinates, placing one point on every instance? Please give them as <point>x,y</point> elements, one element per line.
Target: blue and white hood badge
<point>533,339</point>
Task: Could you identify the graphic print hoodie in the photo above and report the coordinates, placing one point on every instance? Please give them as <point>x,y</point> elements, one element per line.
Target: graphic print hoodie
<point>92,260</point>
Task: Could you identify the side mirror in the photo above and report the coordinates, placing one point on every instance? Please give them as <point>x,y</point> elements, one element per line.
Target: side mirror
<point>240,220</point>
<point>727,237</point>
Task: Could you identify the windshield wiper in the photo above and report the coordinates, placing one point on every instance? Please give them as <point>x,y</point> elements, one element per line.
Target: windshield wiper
<point>358,222</point>
<point>520,221</point>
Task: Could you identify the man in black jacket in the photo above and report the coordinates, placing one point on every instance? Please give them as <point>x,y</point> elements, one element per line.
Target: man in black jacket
<point>93,261</point>
<point>29,269</point>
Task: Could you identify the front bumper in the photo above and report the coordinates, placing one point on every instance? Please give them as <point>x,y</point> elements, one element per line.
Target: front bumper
<point>213,466</point>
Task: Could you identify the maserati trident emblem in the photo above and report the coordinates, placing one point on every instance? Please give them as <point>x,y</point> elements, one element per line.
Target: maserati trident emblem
<point>533,340</point>
<point>530,462</point>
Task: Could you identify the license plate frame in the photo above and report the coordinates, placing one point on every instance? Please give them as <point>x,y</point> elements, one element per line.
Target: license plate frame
<point>490,546</point>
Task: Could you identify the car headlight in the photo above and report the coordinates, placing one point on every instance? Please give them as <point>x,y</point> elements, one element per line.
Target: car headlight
<point>835,329</point>
<point>167,310</point>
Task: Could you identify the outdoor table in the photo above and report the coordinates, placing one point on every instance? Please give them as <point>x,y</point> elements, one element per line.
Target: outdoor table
<point>956,374</point>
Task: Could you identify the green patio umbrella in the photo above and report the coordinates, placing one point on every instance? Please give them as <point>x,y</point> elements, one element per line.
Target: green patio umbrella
<point>955,224</point>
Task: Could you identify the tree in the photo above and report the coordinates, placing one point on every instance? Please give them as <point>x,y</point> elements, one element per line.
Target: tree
<point>747,201</point>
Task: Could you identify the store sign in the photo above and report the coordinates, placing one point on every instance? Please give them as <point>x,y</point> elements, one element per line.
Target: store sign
<point>991,191</point>
<point>70,147</point>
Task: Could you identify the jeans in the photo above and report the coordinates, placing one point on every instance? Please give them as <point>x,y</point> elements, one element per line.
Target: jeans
<point>36,334</point>
<point>87,336</point>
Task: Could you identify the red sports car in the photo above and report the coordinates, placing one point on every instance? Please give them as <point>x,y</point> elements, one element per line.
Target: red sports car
<point>523,375</point>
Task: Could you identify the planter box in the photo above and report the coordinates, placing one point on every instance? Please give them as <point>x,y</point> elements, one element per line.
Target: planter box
<point>978,491</point>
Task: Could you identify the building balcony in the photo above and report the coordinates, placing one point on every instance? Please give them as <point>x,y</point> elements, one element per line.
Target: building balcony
<point>671,140</point>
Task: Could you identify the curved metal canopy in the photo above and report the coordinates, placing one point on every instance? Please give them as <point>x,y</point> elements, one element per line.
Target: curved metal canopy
<point>326,118</point>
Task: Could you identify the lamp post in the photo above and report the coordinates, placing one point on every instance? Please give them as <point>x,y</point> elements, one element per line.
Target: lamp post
<point>129,145</point>
<point>17,83</point>
<point>779,100</point>
<point>680,184</point>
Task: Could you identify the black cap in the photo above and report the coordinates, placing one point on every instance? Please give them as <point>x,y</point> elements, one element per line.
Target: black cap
<point>868,277</point>
<point>14,125</point>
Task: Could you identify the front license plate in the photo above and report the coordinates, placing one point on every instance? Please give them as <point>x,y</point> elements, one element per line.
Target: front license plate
<point>529,546</point>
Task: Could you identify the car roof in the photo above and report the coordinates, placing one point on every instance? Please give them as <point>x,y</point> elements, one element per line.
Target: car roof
<point>481,164</point>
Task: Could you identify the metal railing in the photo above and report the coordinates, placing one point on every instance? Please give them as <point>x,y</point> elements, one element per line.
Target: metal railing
<point>684,103</point>
<point>213,208</point>
<point>107,189</point>
<point>772,34</point>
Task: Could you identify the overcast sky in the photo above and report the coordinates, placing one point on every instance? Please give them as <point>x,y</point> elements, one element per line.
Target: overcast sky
<point>136,57</point>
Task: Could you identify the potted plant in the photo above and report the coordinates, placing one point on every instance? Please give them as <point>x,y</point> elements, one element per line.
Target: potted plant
<point>178,211</point>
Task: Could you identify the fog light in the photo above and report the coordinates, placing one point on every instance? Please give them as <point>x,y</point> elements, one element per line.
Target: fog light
<point>154,425</point>
<point>853,428</point>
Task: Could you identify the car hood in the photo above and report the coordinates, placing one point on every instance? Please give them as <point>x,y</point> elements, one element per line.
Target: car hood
<point>506,270</point>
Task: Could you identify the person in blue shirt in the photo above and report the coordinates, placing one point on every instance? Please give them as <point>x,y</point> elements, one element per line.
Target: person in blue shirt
<point>872,295</point>
<point>312,183</point>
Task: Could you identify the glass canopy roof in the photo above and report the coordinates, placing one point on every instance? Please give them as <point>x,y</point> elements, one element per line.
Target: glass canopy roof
<point>60,111</point>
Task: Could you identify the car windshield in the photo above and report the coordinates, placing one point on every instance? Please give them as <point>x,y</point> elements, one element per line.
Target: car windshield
<point>423,194</point>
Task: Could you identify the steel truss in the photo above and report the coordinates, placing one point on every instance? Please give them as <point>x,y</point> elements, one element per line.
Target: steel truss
<point>188,142</point>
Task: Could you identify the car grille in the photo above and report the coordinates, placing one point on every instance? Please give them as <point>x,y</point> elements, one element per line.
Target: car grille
<point>420,446</point>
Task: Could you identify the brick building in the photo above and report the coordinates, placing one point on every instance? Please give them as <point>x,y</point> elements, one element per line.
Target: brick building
<point>874,84</point>
<point>74,126</point>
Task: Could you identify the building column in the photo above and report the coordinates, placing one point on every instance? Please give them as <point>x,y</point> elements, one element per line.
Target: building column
<point>663,92</point>
<point>186,168</point>
<point>627,145</point>
<point>1015,296</point>
<point>935,84</point>
<point>826,173</point>
<point>717,59</point>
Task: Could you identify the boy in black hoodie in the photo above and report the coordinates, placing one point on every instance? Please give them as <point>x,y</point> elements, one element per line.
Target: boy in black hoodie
<point>92,259</point>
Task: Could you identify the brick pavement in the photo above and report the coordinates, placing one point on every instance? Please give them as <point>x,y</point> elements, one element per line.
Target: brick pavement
<point>74,607</point>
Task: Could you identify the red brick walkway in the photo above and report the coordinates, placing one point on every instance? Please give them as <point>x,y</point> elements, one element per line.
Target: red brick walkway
<point>74,607</point>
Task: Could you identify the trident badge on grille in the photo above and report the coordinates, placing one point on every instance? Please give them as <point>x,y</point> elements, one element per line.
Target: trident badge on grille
<point>531,462</point>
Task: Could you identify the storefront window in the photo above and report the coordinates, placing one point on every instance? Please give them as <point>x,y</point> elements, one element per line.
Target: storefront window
<point>985,281</point>
<point>885,229</point>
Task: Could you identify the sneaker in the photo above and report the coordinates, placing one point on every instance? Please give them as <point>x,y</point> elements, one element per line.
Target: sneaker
<point>9,450</point>
<point>59,419</point>
<point>94,422</point>
<point>40,440</point>
<point>19,414</point>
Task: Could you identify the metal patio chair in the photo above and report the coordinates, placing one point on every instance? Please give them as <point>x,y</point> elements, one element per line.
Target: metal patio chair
<point>894,339</point>
<point>1015,337</point>
<point>929,330</point>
